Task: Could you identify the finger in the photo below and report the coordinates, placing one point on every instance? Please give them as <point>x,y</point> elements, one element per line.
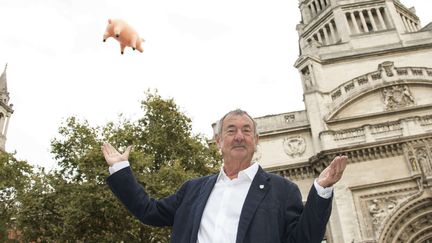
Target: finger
<point>106,148</point>
<point>338,164</point>
<point>344,162</point>
<point>112,150</point>
<point>341,165</point>
<point>334,164</point>
<point>105,153</point>
<point>125,155</point>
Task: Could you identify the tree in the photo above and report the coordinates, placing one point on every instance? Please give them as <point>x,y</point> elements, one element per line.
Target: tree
<point>73,202</point>
<point>14,176</point>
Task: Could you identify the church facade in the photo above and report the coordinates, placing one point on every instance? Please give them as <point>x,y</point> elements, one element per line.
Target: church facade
<point>366,69</point>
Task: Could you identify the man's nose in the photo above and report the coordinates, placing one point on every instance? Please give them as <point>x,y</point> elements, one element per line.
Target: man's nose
<point>239,136</point>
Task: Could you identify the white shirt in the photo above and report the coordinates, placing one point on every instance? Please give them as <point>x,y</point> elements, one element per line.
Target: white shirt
<point>219,222</point>
<point>221,214</point>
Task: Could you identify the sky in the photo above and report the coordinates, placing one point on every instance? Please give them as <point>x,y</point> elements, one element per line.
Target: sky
<point>209,56</point>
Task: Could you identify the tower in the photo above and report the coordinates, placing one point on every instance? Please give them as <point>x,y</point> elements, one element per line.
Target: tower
<point>5,109</point>
<point>366,71</point>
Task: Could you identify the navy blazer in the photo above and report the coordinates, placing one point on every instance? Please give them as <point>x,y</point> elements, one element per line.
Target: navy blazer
<point>270,214</point>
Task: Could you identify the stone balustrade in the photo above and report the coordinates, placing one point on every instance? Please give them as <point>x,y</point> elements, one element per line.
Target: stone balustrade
<point>371,80</point>
<point>376,132</point>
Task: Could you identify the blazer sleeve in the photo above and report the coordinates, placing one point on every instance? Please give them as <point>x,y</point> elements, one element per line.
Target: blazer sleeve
<point>133,196</point>
<point>312,219</point>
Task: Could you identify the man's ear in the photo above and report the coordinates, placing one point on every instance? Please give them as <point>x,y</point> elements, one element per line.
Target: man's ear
<point>218,141</point>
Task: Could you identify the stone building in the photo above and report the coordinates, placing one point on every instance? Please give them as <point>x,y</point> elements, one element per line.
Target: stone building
<point>5,109</point>
<point>366,69</point>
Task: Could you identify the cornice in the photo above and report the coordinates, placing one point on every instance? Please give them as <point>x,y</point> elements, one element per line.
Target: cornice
<point>6,107</point>
<point>374,53</point>
<point>356,154</point>
<point>285,130</point>
<point>385,184</point>
<point>379,114</point>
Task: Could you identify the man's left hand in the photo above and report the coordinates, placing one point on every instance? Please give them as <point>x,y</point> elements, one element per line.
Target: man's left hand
<point>333,173</point>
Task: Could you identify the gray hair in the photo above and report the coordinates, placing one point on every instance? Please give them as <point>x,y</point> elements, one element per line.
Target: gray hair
<point>236,112</point>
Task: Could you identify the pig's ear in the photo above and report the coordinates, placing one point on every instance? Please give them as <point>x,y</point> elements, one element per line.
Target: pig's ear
<point>109,21</point>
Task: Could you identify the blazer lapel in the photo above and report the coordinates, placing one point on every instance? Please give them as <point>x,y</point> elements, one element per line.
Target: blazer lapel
<point>259,188</point>
<point>200,205</point>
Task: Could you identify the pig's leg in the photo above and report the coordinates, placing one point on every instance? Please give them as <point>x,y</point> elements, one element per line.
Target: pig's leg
<point>122,47</point>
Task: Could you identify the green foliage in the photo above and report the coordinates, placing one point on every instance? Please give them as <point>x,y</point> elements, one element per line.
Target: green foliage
<point>13,178</point>
<point>73,203</point>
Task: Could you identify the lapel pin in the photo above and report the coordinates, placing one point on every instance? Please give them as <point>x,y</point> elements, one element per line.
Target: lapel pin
<point>261,186</point>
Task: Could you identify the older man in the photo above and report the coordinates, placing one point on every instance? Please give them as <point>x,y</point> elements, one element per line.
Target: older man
<point>242,203</point>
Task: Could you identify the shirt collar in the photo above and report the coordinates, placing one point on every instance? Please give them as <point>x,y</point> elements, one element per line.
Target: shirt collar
<point>249,172</point>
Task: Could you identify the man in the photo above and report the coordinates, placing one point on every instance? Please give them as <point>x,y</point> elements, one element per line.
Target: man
<point>241,204</point>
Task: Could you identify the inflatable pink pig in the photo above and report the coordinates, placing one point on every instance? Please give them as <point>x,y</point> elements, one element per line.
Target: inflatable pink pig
<point>123,33</point>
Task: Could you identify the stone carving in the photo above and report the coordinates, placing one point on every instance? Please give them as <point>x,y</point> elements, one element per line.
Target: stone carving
<point>387,67</point>
<point>426,120</point>
<point>349,134</point>
<point>336,94</point>
<point>379,209</point>
<point>420,222</point>
<point>294,146</point>
<point>289,118</point>
<point>307,79</point>
<point>397,96</point>
<point>402,71</point>
<point>417,72</point>
<point>349,87</point>
<point>424,161</point>
<point>364,79</point>
<point>386,127</point>
<point>413,162</point>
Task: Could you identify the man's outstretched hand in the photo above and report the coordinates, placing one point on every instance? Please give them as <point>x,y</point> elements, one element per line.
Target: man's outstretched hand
<point>333,173</point>
<point>111,154</point>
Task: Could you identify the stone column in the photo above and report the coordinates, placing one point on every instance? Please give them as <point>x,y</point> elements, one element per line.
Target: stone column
<point>415,26</point>
<point>380,18</point>
<point>372,20</point>
<point>323,6</point>
<point>313,10</point>
<point>326,37</point>
<point>6,126</point>
<point>318,6</point>
<point>410,22</point>
<point>319,37</point>
<point>2,123</point>
<point>363,22</point>
<point>407,28</point>
<point>333,32</point>
<point>354,21</point>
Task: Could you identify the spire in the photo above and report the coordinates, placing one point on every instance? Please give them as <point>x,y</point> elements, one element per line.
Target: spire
<point>4,95</point>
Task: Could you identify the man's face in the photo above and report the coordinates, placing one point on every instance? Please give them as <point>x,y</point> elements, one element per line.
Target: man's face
<point>237,139</point>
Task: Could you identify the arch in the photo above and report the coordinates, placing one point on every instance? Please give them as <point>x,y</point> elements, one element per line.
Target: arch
<point>387,75</point>
<point>410,223</point>
<point>365,92</point>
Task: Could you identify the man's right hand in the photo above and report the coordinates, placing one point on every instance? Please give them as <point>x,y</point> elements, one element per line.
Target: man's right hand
<point>111,154</point>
